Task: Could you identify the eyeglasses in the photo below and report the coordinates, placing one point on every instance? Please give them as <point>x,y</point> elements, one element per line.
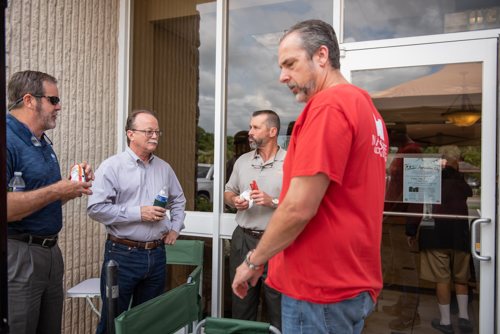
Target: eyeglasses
<point>257,165</point>
<point>36,142</point>
<point>149,133</point>
<point>54,100</point>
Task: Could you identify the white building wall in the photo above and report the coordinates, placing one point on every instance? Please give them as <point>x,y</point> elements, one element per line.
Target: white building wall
<point>77,42</point>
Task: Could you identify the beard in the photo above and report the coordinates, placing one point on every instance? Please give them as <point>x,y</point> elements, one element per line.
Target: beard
<point>45,118</point>
<point>256,143</point>
<point>303,92</point>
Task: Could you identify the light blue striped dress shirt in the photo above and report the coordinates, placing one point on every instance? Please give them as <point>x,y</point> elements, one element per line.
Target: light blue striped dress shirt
<point>123,183</point>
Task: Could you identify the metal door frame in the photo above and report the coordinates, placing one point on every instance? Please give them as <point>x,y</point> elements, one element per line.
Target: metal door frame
<point>478,50</point>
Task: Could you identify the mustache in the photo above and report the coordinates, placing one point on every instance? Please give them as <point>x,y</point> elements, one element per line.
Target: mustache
<point>154,141</point>
<point>292,85</point>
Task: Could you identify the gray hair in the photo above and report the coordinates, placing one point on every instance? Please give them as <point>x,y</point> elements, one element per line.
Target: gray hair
<point>450,152</point>
<point>272,121</point>
<point>315,33</point>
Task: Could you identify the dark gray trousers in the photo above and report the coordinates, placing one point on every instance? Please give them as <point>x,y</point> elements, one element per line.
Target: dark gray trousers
<point>246,309</point>
<point>35,288</point>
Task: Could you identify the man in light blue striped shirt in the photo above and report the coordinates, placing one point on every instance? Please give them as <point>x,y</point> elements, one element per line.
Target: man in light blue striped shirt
<point>125,187</point>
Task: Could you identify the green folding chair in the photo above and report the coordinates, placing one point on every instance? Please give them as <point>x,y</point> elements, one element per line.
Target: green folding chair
<point>234,326</point>
<point>188,253</point>
<point>176,309</point>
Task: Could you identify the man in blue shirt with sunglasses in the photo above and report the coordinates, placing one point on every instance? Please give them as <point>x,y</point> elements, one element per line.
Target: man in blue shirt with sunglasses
<point>34,216</point>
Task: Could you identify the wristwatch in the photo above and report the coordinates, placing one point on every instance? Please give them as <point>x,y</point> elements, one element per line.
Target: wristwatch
<point>247,261</point>
<point>275,202</point>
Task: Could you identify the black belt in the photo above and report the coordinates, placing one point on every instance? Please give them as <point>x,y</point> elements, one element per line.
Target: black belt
<point>46,242</point>
<point>146,245</point>
<point>256,234</point>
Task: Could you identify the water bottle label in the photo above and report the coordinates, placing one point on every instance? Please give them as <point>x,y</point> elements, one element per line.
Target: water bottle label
<point>160,201</point>
<point>161,198</point>
<point>11,189</point>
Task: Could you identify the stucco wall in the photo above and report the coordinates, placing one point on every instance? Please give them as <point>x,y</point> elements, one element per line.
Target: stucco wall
<point>76,41</point>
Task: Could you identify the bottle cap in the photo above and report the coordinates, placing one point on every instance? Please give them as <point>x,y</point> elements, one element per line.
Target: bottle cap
<point>18,173</point>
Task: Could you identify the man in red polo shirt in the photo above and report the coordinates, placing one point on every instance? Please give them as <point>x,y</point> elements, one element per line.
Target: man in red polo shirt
<point>323,242</point>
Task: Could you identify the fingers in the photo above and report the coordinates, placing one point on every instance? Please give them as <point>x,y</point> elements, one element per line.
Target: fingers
<point>170,237</point>
<point>87,191</point>
<point>239,201</point>
<point>158,216</point>
<point>83,188</point>
<point>72,189</point>
<point>242,290</point>
<point>152,213</point>
<point>243,274</point>
<point>243,206</point>
<point>410,241</point>
<point>260,198</point>
<point>87,169</point>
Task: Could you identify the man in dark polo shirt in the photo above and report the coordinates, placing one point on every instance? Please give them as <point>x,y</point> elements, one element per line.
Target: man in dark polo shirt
<point>35,215</point>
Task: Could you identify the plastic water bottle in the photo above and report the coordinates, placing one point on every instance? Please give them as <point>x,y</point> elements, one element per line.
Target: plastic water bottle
<point>161,199</point>
<point>17,182</point>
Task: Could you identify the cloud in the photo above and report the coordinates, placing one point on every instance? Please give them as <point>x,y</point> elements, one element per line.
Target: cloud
<point>253,70</point>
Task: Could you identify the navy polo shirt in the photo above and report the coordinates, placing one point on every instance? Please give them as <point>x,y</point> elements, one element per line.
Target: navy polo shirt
<point>40,168</point>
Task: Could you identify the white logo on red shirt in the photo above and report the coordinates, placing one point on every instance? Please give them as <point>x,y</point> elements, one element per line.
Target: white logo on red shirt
<point>378,141</point>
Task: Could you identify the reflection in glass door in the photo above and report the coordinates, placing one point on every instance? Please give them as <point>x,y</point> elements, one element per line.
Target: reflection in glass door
<point>433,180</point>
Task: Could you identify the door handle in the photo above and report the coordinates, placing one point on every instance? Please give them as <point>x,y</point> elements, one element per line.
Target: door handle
<point>473,239</point>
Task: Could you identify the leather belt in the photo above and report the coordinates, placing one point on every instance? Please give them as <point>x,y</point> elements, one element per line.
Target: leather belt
<point>131,243</point>
<point>47,242</point>
<point>256,234</point>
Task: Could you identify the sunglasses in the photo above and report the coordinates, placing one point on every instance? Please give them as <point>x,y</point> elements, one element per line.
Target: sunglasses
<point>54,100</point>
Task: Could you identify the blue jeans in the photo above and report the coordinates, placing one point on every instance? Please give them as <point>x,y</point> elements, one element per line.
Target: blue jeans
<point>347,316</point>
<point>141,273</point>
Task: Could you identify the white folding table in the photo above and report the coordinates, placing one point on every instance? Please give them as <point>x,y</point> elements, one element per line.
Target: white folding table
<point>90,288</point>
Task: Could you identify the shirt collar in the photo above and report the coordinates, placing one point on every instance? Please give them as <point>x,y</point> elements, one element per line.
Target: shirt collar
<point>136,157</point>
<point>280,156</point>
<point>23,132</point>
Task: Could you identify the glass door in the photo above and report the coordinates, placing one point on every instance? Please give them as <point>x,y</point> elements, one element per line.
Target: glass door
<point>438,102</point>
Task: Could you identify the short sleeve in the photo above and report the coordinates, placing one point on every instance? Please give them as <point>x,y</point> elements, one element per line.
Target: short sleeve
<point>232,184</point>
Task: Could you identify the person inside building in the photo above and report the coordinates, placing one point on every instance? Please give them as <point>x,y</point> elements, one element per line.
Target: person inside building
<point>445,247</point>
<point>240,147</point>
<point>406,307</point>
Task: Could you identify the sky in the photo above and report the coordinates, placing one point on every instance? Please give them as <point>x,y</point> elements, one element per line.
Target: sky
<point>253,70</point>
